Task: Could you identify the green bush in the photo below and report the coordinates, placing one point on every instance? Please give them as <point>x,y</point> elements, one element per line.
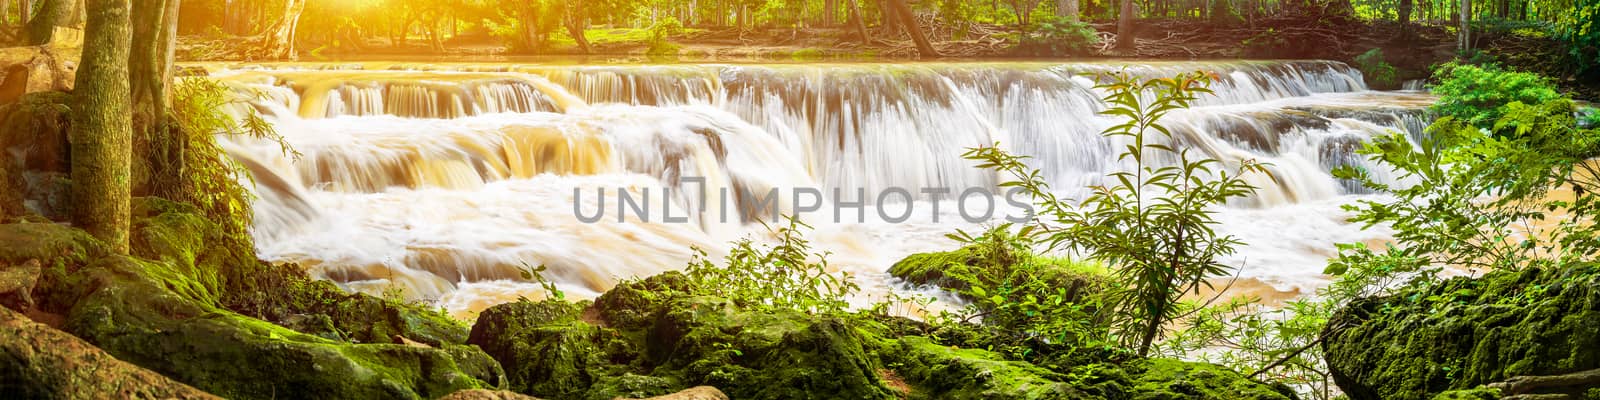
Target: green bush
<point>1378,72</point>
<point>659,46</point>
<point>1153,224</point>
<point>776,277</point>
<point>1580,31</point>
<point>1474,94</point>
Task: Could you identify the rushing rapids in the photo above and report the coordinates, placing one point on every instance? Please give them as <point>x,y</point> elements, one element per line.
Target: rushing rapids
<point>445,180</point>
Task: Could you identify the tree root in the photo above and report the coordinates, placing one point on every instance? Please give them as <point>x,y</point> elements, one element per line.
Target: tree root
<point>1518,387</point>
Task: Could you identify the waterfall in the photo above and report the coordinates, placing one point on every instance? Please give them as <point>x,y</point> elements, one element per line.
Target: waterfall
<point>449,178</point>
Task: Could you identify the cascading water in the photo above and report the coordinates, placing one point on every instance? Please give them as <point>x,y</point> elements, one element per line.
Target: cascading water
<point>447,179</point>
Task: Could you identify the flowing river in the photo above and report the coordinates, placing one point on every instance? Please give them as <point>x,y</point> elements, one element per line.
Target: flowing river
<point>442,181</point>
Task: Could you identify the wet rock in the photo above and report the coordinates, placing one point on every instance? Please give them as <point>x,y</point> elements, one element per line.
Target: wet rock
<point>1464,333</point>
<point>40,362</point>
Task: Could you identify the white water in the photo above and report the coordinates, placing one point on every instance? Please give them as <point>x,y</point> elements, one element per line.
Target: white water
<point>445,179</point>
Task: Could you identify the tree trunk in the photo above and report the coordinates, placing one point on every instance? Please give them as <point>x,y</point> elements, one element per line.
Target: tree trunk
<point>1125,35</point>
<point>101,134</point>
<point>888,24</point>
<point>1067,9</point>
<point>1464,38</point>
<point>1405,19</point>
<point>859,23</point>
<point>909,21</point>
<point>52,13</point>
<point>150,74</point>
<point>277,41</point>
<point>575,29</point>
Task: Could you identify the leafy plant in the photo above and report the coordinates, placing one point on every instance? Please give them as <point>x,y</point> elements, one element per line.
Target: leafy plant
<point>659,45</point>
<point>1474,94</point>
<point>201,111</point>
<point>1153,224</point>
<point>536,274</point>
<point>1029,305</point>
<point>1482,198</point>
<point>1376,69</point>
<point>1579,30</point>
<point>780,276</point>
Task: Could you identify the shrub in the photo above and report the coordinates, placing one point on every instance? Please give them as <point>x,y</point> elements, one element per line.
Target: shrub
<point>780,276</point>
<point>1152,225</point>
<point>1474,94</point>
<point>1379,73</point>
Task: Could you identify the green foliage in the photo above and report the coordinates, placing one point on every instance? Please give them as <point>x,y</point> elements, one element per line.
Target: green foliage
<point>1579,30</point>
<point>201,111</point>
<point>1050,35</point>
<point>1031,307</point>
<point>659,45</point>
<point>776,277</point>
<point>1152,224</point>
<point>1378,71</point>
<point>1482,199</point>
<point>1474,94</point>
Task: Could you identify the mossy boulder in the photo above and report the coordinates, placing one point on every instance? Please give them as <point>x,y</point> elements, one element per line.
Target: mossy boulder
<point>40,362</point>
<point>162,308</point>
<point>1465,332</point>
<point>978,264</point>
<point>652,337</point>
<point>550,349</point>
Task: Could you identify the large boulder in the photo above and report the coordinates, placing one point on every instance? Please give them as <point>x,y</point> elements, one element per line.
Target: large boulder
<point>161,308</point>
<point>33,69</point>
<point>1463,333</point>
<point>40,362</point>
<point>651,337</point>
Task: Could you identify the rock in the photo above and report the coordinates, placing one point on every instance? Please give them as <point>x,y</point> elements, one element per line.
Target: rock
<point>38,362</point>
<point>1464,333</point>
<point>959,269</point>
<point>694,393</point>
<point>160,309</point>
<point>938,371</point>
<point>481,394</point>
<point>34,69</point>
<point>33,145</point>
<point>16,284</point>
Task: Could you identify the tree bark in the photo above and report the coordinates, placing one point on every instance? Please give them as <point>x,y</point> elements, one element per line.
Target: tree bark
<point>575,29</point>
<point>1464,37</point>
<point>278,39</point>
<point>52,13</point>
<point>908,20</point>
<point>859,23</point>
<point>150,74</point>
<point>1125,35</point>
<point>1405,19</point>
<point>1067,9</point>
<point>101,134</point>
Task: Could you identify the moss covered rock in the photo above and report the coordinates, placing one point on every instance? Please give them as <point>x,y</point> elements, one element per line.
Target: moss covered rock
<point>40,362</point>
<point>162,308</point>
<point>1467,332</point>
